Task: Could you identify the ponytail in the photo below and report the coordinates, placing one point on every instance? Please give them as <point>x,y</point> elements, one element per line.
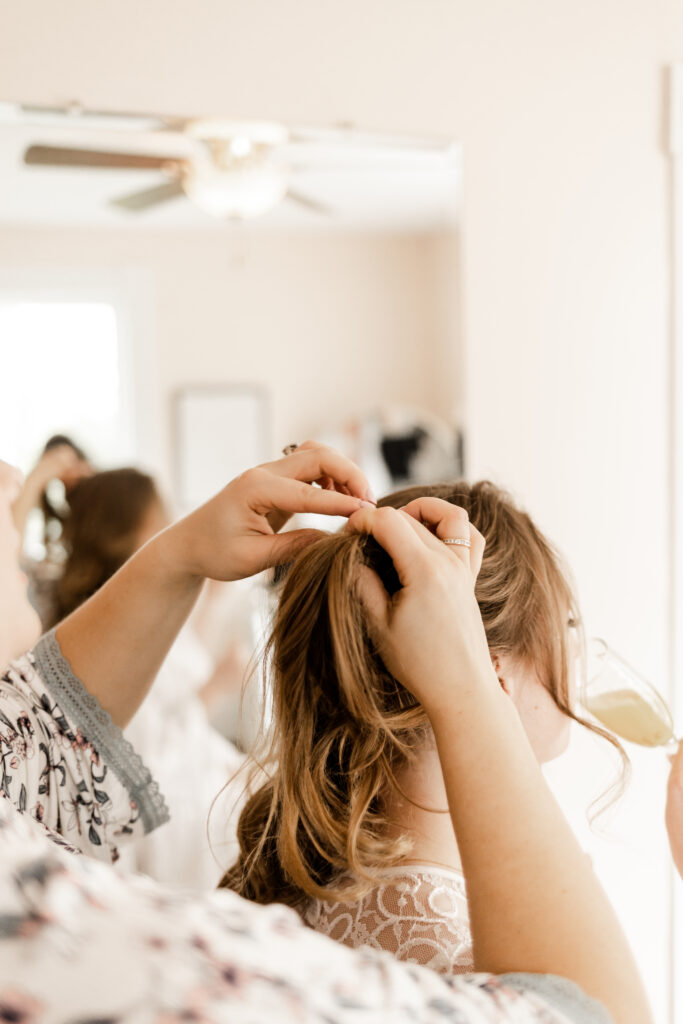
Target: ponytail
<point>343,725</point>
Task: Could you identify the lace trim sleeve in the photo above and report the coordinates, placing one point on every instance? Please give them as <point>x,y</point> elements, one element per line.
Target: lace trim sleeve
<point>80,942</point>
<point>91,719</point>
<point>562,994</point>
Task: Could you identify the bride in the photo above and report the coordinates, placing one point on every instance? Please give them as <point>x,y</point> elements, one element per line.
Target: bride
<point>351,826</point>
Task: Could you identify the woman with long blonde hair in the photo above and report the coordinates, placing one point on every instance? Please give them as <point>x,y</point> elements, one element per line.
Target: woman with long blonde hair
<point>536,908</point>
<point>351,826</point>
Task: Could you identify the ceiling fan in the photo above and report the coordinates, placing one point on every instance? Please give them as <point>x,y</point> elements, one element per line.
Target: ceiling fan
<point>230,169</point>
<point>234,172</point>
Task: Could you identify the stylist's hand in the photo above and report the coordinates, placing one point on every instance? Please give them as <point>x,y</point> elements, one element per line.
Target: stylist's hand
<point>430,634</point>
<point>60,463</point>
<point>235,534</point>
<point>674,808</point>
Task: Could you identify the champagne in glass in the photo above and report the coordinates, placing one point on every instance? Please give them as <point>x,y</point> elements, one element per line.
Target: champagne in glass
<point>623,701</point>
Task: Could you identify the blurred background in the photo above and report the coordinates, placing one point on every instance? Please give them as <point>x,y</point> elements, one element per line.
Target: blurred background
<point>448,243</point>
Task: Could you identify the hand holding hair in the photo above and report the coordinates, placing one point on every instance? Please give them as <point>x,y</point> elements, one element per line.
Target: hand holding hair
<point>55,464</point>
<point>117,641</point>
<point>429,633</point>
<point>235,534</point>
<point>534,902</point>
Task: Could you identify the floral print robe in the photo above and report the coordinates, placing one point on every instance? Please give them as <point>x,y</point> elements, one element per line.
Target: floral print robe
<point>84,942</point>
<point>64,761</point>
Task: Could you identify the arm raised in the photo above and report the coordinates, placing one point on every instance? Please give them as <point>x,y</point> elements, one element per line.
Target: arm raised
<point>116,642</point>
<point>535,903</point>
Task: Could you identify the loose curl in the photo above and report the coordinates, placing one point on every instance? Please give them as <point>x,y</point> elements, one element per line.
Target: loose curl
<point>343,726</point>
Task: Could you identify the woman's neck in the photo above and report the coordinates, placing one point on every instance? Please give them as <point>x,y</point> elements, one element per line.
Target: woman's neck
<point>421,813</point>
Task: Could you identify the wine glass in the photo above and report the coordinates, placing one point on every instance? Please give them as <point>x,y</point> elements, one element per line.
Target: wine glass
<point>623,701</point>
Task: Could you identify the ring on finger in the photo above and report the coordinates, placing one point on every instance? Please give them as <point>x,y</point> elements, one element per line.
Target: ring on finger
<point>289,449</point>
<point>463,542</point>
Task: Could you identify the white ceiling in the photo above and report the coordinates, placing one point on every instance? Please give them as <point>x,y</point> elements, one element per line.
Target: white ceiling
<point>369,187</point>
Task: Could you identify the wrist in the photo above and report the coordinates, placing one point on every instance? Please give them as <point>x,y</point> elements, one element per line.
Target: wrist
<point>675,790</point>
<point>35,483</point>
<point>170,556</point>
<point>467,696</point>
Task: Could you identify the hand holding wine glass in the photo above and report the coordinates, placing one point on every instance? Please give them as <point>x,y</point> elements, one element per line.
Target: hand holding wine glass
<point>674,808</point>
<point>627,704</point>
<point>624,701</point>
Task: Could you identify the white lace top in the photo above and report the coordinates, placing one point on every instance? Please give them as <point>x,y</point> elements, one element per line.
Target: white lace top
<point>419,914</point>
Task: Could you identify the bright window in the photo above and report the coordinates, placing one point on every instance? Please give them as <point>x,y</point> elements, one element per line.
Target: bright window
<point>60,374</point>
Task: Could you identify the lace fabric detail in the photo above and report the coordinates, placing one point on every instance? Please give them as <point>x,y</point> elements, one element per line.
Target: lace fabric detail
<point>85,711</point>
<point>419,914</point>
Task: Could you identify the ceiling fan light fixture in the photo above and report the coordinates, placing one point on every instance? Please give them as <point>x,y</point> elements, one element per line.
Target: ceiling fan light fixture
<point>258,133</point>
<point>241,146</point>
<point>240,193</point>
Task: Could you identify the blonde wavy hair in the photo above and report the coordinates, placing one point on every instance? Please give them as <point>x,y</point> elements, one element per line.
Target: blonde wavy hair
<point>315,826</point>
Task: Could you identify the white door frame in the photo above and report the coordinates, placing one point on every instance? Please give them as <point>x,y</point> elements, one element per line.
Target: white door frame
<point>128,292</point>
<point>676,487</point>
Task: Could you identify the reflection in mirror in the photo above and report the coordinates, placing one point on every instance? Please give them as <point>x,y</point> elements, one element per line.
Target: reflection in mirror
<point>159,270</point>
<point>318,263</point>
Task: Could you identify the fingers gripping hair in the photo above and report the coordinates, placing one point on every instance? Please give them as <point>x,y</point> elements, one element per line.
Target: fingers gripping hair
<point>343,726</point>
<point>525,596</point>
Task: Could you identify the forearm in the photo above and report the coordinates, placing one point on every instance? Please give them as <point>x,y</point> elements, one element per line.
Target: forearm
<point>117,641</point>
<point>535,903</point>
<point>27,500</point>
<point>674,822</point>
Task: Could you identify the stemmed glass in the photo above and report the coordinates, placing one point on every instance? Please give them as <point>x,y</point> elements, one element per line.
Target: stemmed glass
<point>623,701</point>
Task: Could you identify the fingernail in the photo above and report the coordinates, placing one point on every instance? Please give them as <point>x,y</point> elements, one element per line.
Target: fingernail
<point>368,504</point>
<point>372,500</point>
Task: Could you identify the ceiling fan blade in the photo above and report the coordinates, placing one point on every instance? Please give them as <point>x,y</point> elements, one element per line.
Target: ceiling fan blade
<point>358,138</point>
<point>309,203</point>
<point>59,156</point>
<point>136,202</point>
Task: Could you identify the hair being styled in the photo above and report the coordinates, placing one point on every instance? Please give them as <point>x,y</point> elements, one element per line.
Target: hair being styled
<point>54,515</point>
<point>100,532</point>
<point>61,441</point>
<point>343,726</point>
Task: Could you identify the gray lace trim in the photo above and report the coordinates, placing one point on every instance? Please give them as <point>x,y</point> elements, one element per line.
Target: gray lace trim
<point>85,712</point>
<point>561,993</point>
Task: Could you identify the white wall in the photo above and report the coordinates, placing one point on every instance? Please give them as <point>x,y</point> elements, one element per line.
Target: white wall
<point>560,109</point>
<point>331,325</point>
